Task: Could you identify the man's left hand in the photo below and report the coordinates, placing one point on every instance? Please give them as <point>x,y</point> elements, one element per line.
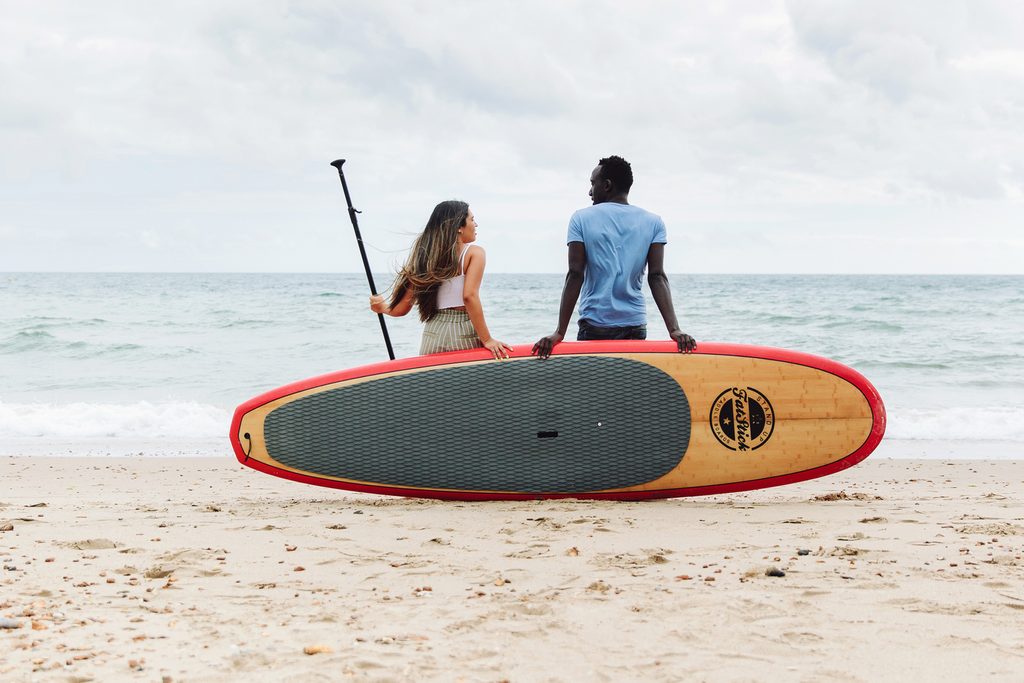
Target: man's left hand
<point>685,342</point>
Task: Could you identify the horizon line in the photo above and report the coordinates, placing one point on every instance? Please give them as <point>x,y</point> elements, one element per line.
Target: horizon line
<point>546,273</point>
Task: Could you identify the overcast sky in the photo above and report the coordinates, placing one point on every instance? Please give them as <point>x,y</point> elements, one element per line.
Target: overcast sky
<point>772,137</point>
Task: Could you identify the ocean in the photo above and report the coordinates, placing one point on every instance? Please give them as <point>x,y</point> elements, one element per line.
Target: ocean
<point>154,364</point>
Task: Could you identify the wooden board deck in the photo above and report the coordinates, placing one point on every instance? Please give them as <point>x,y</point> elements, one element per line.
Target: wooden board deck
<point>621,420</point>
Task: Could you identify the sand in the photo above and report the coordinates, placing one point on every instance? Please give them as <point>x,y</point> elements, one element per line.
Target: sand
<point>196,569</point>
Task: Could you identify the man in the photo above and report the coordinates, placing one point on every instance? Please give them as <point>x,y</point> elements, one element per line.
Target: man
<point>610,244</point>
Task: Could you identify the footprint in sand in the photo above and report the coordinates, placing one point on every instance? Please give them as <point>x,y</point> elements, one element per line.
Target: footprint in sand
<point>993,529</point>
<point>92,544</point>
<point>185,562</point>
<point>645,558</point>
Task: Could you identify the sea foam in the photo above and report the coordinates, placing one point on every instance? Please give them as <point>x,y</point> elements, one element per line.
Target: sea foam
<point>131,421</point>
<point>188,420</point>
<point>971,423</point>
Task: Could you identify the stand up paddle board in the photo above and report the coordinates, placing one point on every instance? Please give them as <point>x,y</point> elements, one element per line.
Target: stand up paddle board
<point>606,419</point>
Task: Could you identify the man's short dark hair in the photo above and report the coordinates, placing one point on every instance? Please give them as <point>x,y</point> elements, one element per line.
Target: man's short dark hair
<point>617,170</point>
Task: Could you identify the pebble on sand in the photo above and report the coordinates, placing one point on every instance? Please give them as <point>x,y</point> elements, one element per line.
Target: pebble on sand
<point>317,649</point>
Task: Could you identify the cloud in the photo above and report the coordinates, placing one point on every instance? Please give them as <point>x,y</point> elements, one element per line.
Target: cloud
<point>212,124</point>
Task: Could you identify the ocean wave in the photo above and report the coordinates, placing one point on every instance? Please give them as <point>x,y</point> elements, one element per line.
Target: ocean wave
<point>63,321</point>
<point>974,423</point>
<point>28,335</point>
<point>899,364</point>
<point>783,318</point>
<point>862,325</point>
<point>993,358</point>
<point>41,341</point>
<point>89,350</point>
<point>27,340</point>
<point>248,323</point>
<point>186,420</point>
<point>191,420</point>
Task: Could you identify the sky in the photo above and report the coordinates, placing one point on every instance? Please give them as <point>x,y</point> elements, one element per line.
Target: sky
<point>772,137</point>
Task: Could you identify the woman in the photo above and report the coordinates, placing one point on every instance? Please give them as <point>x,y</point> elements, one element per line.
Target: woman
<point>442,277</point>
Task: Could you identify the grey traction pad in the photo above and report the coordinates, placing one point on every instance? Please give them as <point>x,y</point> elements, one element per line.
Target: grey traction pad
<point>566,424</point>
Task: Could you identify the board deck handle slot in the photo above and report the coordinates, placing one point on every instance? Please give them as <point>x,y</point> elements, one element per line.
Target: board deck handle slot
<point>546,435</point>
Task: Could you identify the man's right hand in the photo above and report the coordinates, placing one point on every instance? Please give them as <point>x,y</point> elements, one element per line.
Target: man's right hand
<point>543,347</point>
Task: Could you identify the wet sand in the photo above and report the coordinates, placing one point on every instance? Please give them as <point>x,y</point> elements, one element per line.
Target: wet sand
<point>196,569</point>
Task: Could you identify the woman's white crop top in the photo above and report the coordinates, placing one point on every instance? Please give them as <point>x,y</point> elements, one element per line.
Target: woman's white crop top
<point>449,294</point>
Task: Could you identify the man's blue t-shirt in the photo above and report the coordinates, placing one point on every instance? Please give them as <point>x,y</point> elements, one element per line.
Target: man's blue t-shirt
<point>617,238</point>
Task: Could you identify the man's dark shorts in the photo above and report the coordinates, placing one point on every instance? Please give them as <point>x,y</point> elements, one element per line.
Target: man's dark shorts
<point>590,332</point>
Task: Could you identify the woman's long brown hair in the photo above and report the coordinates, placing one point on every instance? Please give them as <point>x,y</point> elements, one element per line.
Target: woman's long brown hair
<point>434,258</point>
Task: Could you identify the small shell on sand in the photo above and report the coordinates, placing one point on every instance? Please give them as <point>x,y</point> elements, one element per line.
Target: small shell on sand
<point>317,649</point>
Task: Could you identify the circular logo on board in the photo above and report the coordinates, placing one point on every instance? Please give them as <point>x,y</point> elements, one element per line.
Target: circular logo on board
<point>742,418</point>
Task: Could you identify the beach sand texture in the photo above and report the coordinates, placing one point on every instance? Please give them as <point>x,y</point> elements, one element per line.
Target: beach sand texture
<point>182,569</point>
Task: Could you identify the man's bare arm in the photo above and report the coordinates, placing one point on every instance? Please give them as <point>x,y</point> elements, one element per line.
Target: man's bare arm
<point>570,295</point>
<point>658,282</point>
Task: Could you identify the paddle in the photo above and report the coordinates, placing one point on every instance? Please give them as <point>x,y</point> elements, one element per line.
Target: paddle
<point>362,252</point>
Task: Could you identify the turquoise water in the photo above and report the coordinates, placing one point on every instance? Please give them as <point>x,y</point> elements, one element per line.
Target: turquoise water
<point>119,360</point>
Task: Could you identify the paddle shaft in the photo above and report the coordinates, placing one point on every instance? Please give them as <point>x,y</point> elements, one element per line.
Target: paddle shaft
<point>362,252</point>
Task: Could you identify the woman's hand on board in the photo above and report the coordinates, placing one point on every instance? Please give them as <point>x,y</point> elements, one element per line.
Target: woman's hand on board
<point>499,348</point>
<point>377,304</point>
